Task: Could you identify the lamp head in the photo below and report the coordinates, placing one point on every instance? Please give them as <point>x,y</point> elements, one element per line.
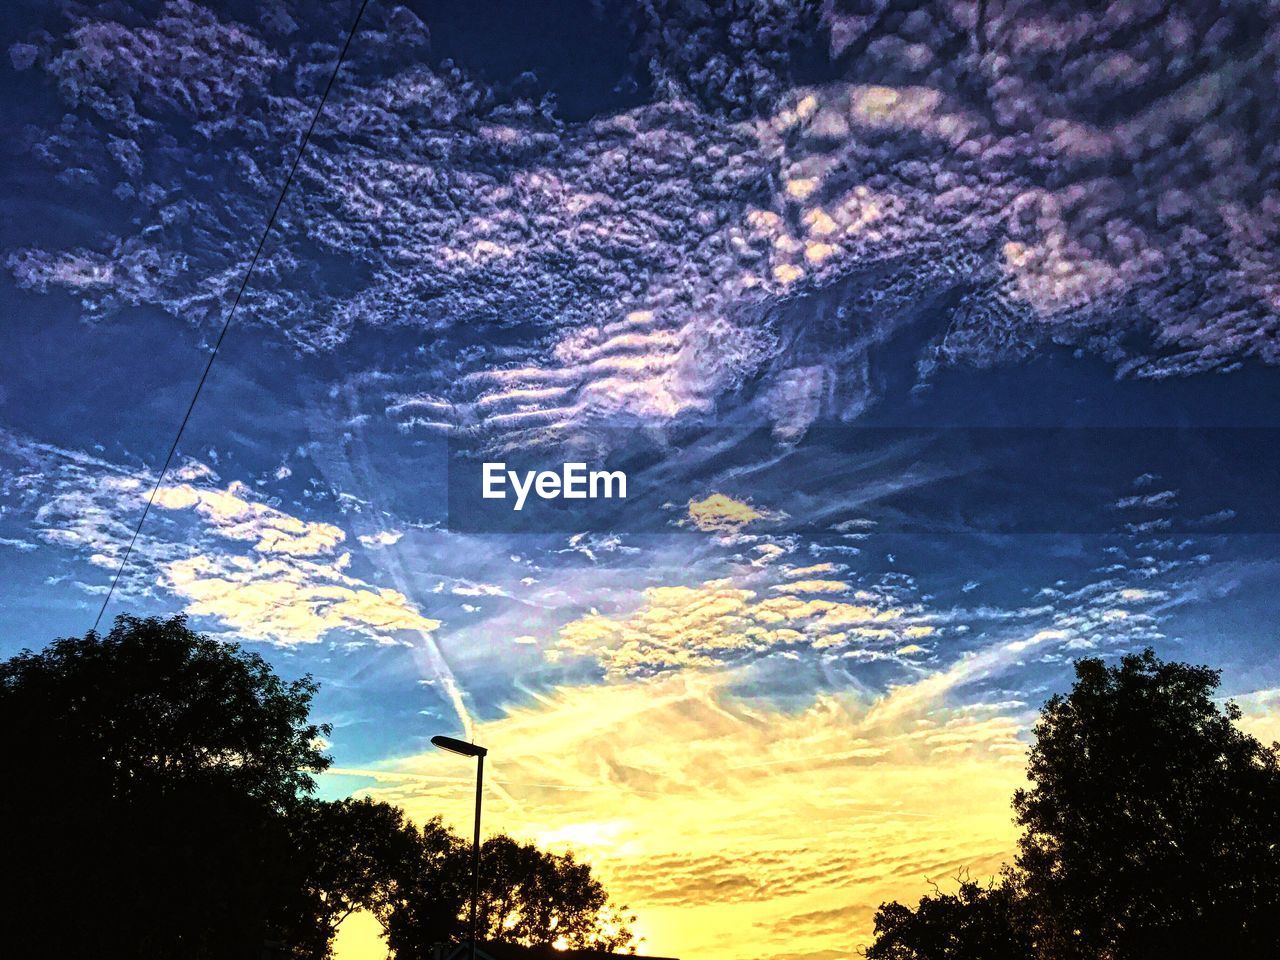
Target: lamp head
<point>460,747</point>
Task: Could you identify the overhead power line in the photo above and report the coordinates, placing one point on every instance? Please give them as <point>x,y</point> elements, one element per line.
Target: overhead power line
<point>248,275</point>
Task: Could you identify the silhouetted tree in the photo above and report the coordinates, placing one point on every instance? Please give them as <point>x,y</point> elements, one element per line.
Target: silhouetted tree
<point>527,896</point>
<point>1151,831</point>
<point>425,904</point>
<point>150,772</point>
<point>974,923</point>
<point>158,809</point>
<point>1152,826</point>
<point>350,855</point>
<point>530,896</point>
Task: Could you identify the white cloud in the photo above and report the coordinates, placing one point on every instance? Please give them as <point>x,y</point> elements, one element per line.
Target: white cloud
<point>231,513</point>
<point>289,600</point>
<point>383,538</point>
<point>290,587</point>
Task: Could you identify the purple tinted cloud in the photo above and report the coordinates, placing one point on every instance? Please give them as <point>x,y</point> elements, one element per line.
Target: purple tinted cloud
<point>1103,179</point>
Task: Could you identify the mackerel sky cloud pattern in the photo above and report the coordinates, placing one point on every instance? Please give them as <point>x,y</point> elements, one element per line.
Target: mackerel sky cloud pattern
<point>765,253</point>
<point>1103,179</point>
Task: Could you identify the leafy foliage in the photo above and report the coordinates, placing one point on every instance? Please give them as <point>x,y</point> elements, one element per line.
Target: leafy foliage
<point>425,901</point>
<point>156,769</point>
<point>1151,830</point>
<point>154,704</point>
<point>161,811</point>
<point>974,922</point>
<point>1153,824</point>
<point>527,896</point>
<point>351,855</point>
<point>531,897</point>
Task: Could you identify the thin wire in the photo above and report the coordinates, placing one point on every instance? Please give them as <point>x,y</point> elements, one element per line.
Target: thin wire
<point>257,254</point>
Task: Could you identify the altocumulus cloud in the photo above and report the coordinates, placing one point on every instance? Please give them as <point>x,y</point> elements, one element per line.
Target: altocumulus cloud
<point>719,622</point>
<point>1053,175</point>
<point>290,587</point>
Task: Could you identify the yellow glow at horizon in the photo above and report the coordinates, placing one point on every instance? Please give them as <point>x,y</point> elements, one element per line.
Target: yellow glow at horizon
<point>737,831</point>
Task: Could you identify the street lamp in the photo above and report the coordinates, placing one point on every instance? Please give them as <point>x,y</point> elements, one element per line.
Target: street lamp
<point>464,749</point>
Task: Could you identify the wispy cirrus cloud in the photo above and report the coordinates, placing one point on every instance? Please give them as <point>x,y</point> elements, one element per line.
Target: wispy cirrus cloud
<point>833,806</point>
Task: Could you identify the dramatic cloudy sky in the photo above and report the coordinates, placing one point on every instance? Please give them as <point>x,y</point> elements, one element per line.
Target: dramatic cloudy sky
<point>938,341</point>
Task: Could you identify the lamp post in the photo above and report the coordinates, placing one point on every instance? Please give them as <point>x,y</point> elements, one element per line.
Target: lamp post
<point>464,749</point>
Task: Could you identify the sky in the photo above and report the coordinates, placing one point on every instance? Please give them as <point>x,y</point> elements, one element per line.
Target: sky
<point>937,342</point>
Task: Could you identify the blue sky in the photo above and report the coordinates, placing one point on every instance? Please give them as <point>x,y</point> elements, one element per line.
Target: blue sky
<point>937,356</point>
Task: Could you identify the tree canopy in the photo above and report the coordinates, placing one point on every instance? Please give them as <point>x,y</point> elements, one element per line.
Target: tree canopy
<point>1151,830</point>
<point>153,705</point>
<point>159,808</point>
<point>351,855</point>
<point>531,897</point>
<point>152,772</point>
<point>528,896</point>
<point>1152,825</point>
<point>974,923</point>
